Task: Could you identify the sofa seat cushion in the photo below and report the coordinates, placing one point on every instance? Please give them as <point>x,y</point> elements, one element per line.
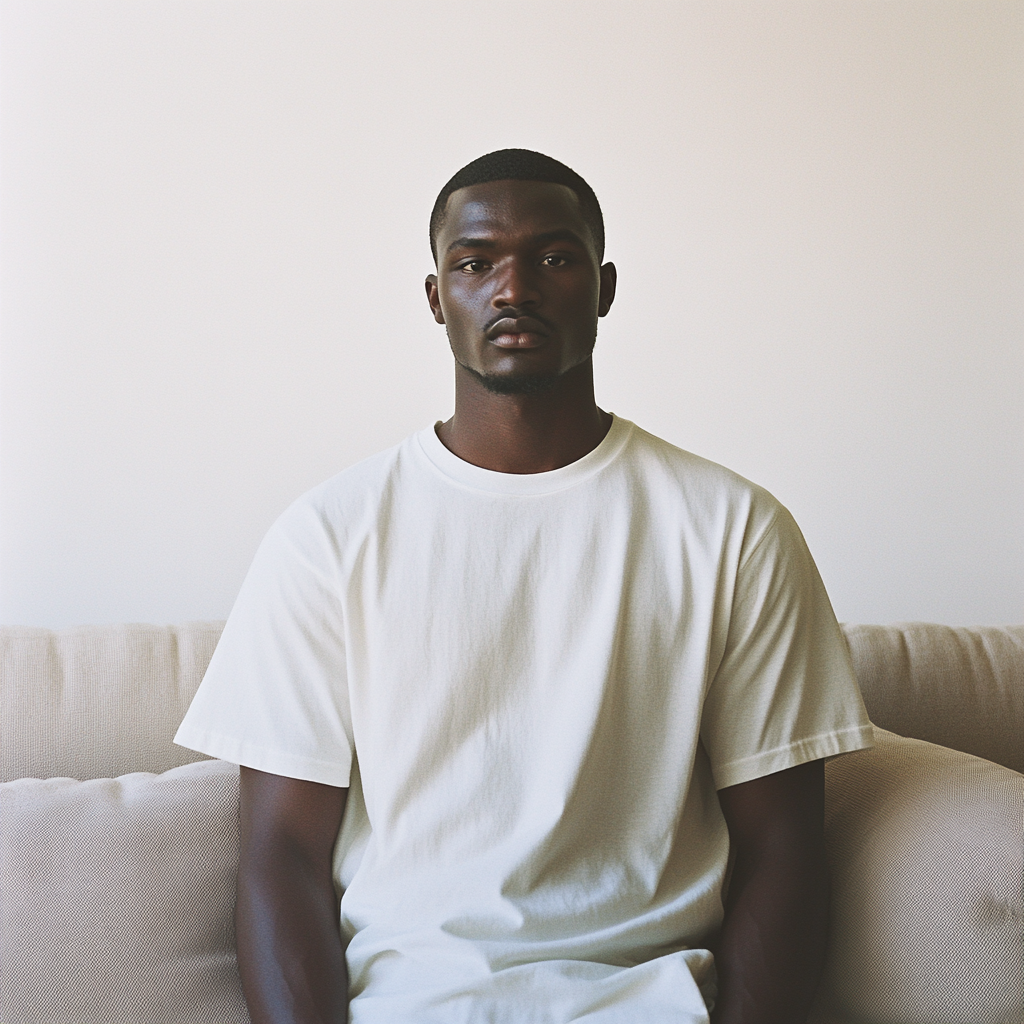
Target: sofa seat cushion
<point>116,899</point>
<point>926,852</point>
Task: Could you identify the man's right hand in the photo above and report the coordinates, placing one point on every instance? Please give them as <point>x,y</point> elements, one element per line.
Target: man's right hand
<point>290,954</point>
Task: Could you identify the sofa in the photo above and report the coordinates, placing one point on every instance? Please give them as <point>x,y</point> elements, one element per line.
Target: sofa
<point>118,850</point>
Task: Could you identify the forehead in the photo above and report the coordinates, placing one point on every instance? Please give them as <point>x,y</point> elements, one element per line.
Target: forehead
<point>511,208</point>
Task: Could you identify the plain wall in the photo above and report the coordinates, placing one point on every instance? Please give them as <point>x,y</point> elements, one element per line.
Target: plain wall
<point>214,241</point>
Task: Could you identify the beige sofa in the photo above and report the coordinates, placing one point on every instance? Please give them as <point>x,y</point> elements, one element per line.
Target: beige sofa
<point>117,890</point>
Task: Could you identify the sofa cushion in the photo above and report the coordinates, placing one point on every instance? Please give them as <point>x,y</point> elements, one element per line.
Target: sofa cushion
<point>116,899</point>
<point>957,686</point>
<point>926,850</point>
<point>98,701</point>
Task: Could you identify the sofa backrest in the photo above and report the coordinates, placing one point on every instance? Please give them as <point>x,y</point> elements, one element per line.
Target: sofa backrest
<point>98,701</point>
<point>959,687</point>
<point>102,701</point>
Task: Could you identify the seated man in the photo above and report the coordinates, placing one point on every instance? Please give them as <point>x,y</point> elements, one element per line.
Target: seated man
<point>545,672</point>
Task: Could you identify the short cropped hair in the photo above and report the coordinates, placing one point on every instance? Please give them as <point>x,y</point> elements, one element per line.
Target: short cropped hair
<point>520,165</point>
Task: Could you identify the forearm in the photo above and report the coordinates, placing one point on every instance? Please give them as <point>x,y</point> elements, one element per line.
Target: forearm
<point>290,953</point>
<point>772,946</point>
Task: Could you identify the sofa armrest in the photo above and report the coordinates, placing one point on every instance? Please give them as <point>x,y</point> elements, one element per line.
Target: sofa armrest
<point>926,852</point>
<point>116,898</point>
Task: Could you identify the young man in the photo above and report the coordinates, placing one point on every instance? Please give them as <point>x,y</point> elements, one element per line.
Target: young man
<point>549,669</point>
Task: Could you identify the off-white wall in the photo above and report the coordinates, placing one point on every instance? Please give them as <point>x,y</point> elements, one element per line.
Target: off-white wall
<point>214,242</point>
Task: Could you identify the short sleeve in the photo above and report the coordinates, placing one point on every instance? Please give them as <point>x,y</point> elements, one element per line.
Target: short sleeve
<point>784,691</point>
<point>275,696</point>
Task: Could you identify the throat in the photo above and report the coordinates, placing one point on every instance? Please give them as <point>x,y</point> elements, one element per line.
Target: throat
<point>524,424</point>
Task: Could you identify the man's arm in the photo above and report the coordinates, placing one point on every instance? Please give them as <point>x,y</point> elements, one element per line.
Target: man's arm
<point>772,947</point>
<point>290,955</point>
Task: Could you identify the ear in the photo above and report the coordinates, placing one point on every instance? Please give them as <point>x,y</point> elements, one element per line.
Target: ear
<point>609,277</point>
<point>434,298</point>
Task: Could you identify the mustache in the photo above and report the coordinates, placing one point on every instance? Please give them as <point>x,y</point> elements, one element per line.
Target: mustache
<point>511,313</point>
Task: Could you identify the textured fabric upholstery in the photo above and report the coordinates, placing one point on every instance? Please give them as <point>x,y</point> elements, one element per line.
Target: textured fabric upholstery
<point>116,894</point>
<point>98,700</point>
<point>926,851</point>
<point>116,899</point>
<point>959,687</point>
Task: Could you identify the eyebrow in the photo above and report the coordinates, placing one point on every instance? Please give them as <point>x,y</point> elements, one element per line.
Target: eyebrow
<point>558,235</point>
<point>471,243</point>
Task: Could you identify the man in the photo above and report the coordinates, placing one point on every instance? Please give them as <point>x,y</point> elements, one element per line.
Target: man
<point>520,654</point>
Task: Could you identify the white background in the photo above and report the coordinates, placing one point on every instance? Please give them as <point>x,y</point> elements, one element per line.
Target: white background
<point>214,240</point>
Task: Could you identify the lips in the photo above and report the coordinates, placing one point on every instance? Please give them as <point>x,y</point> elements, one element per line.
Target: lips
<point>517,332</point>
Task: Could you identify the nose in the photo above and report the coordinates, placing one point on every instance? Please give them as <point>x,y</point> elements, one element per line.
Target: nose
<point>517,285</point>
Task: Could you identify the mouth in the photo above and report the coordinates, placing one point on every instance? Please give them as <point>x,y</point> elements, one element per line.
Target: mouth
<point>517,332</point>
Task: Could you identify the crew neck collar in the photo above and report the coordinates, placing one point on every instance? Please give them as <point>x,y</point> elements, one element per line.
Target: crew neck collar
<point>449,465</point>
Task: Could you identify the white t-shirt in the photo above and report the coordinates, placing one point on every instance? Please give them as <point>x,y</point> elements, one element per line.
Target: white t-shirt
<point>543,678</point>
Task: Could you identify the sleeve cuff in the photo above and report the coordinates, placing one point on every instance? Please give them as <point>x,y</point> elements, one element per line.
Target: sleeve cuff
<point>274,762</point>
<point>815,748</point>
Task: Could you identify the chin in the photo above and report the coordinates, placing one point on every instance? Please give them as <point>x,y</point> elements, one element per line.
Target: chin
<point>516,383</point>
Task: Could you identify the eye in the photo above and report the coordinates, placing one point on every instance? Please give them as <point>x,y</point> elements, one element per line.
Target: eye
<point>473,266</point>
<point>554,260</point>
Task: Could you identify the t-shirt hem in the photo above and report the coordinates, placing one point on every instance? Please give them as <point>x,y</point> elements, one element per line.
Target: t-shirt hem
<point>813,748</point>
<point>274,762</point>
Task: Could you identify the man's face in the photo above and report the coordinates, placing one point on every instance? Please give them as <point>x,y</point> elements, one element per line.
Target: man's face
<point>518,284</point>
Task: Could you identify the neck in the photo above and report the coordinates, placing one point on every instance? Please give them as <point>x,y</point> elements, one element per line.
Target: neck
<point>525,433</point>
